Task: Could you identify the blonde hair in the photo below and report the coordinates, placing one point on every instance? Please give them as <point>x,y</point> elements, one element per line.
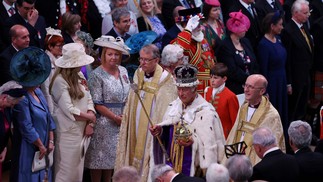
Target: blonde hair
<point>71,76</point>
<point>104,50</point>
<point>154,12</point>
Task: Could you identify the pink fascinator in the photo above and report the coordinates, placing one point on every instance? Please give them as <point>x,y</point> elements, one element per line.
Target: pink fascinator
<point>238,22</point>
<point>215,3</point>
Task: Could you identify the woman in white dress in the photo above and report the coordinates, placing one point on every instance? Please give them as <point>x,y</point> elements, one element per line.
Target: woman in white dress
<point>53,44</point>
<point>74,112</point>
<point>109,85</point>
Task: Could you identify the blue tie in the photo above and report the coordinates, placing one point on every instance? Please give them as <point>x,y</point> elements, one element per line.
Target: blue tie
<point>250,11</point>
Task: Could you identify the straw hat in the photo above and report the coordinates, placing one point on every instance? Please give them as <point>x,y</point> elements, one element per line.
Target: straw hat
<point>112,43</point>
<point>73,56</point>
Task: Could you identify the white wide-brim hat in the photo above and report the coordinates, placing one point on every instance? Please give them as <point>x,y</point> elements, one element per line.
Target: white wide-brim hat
<point>73,56</point>
<point>112,43</point>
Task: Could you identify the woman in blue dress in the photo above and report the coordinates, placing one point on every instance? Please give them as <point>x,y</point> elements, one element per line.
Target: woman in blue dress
<point>33,125</point>
<point>272,59</point>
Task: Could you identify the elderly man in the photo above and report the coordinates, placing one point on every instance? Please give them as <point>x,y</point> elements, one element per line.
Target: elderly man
<point>155,88</point>
<point>217,173</point>
<point>256,111</point>
<point>309,162</point>
<point>190,112</point>
<point>126,174</point>
<point>239,167</point>
<point>275,165</point>
<point>165,173</point>
<point>19,40</point>
<point>300,47</point>
<point>10,94</point>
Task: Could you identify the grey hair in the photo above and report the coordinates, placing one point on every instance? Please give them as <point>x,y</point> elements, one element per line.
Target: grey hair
<point>160,170</point>
<point>86,38</point>
<point>240,168</point>
<point>263,136</point>
<point>300,133</point>
<point>118,13</point>
<point>297,5</point>
<point>8,86</point>
<point>151,49</point>
<point>171,54</point>
<point>217,173</point>
<point>126,174</point>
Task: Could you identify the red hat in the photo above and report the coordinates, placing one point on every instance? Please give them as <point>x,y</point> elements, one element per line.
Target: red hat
<point>215,3</point>
<point>238,22</point>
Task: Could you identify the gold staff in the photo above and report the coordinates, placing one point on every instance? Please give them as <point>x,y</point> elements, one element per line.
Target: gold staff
<point>134,87</point>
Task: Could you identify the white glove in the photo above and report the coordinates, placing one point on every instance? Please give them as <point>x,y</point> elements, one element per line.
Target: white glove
<point>192,23</point>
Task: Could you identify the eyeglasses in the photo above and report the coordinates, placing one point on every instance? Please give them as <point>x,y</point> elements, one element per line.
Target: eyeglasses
<point>247,86</point>
<point>145,59</point>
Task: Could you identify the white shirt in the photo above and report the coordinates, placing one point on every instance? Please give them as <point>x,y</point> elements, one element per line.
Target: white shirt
<point>7,7</point>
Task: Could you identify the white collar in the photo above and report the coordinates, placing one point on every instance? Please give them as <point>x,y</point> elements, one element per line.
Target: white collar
<point>270,2</point>
<point>174,177</point>
<point>270,150</point>
<point>7,6</point>
<point>244,4</point>
<point>217,90</point>
<point>299,25</point>
<point>179,26</point>
<point>118,34</point>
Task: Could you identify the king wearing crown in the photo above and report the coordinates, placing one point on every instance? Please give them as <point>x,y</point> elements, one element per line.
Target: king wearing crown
<point>191,126</point>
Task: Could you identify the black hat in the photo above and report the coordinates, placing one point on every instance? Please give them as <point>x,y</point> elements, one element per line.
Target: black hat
<point>186,75</point>
<point>185,14</point>
<point>13,89</point>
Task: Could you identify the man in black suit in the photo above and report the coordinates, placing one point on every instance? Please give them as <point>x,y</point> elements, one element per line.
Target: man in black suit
<point>172,33</point>
<point>165,173</point>
<point>170,5</point>
<point>28,17</point>
<point>239,167</point>
<point>263,7</point>
<point>299,46</point>
<point>275,165</point>
<point>247,7</point>
<point>217,172</point>
<point>121,22</point>
<point>309,162</point>
<point>19,40</point>
<point>7,9</point>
